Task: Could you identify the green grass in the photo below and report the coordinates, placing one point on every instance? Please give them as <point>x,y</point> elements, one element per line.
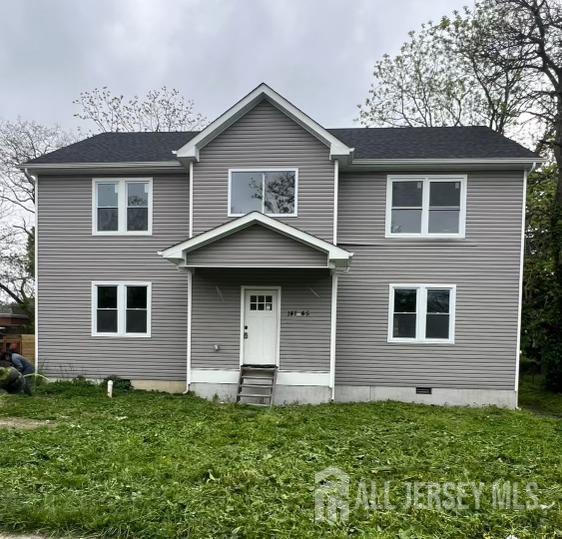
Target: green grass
<point>153,465</point>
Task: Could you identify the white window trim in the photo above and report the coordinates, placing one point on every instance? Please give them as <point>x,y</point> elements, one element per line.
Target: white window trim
<point>122,207</point>
<point>121,308</point>
<point>264,171</point>
<point>421,312</point>
<point>426,179</point>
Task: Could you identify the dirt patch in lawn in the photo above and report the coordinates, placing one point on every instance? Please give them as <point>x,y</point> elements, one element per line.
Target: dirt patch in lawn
<point>21,423</point>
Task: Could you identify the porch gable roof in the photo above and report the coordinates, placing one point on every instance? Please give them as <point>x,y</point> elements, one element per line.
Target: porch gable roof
<point>336,256</point>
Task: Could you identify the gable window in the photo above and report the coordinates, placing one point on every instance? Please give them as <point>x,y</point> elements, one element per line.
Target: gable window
<point>121,309</point>
<point>421,313</point>
<point>269,191</point>
<point>122,206</point>
<point>426,206</point>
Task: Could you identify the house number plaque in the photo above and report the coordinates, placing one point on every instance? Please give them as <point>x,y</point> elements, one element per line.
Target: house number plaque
<point>298,313</point>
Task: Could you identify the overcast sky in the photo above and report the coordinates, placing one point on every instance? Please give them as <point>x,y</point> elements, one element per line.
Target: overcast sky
<point>317,53</point>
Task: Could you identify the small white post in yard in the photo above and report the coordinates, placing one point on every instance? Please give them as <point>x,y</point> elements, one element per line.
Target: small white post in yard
<point>110,388</point>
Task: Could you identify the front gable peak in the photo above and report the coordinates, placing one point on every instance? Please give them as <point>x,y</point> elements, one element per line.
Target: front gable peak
<point>190,151</point>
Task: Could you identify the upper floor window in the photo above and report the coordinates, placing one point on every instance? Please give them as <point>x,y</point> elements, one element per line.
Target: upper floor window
<point>269,191</point>
<point>121,309</point>
<point>422,313</point>
<point>122,206</point>
<point>426,206</point>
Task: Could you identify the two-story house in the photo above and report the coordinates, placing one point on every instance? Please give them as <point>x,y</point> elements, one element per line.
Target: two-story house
<point>358,264</point>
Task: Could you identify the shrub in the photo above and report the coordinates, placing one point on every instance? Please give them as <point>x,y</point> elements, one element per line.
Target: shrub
<point>552,362</point>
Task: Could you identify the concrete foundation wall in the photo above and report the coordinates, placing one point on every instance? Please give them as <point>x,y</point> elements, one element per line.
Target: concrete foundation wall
<point>316,394</point>
<point>441,396</point>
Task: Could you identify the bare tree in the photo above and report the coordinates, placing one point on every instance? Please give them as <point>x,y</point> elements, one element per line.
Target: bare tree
<point>21,141</point>
<point>159,110</point>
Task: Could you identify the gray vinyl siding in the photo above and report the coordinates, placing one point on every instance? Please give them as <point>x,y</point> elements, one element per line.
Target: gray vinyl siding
<point>265,137</point>
<point>70,258</point>
<point>305,341</point>
<point>484,266</point>
<point>257,246</point>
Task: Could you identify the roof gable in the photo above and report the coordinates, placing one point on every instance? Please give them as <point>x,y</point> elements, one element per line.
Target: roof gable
<point>190,151</point>
<point>256,246</point>
<point>337,257</point>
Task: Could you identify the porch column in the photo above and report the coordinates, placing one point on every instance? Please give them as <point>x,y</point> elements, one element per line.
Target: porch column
<point>333,324</point>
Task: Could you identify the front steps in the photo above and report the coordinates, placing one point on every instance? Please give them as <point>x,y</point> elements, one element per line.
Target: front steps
<point>256,385</point>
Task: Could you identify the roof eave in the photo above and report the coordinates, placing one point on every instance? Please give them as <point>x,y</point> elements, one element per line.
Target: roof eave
<point>446,163</point>
<point>96,167</point>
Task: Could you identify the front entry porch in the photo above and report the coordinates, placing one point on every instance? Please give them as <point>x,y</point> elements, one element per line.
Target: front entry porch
<point>261,292</point>
<point>262,317</point>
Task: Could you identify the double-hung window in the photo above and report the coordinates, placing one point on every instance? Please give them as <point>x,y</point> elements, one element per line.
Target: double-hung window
<point>426,206</point>
<point>421,313</point>
<point>121,309</point>
<point>122,206</point>
<point>269,191</point>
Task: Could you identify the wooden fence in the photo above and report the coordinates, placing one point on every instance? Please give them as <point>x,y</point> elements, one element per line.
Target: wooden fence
<point>25,344</point>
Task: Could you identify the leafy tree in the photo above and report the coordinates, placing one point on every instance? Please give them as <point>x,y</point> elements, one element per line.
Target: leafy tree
<point>539,289</point>
<point>438,79</point>
<point>529,33</point>
<point>159,110</point>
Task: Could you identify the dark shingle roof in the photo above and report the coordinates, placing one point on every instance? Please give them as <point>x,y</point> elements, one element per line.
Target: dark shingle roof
<point>120,147</point>
<point>429,143</point>
<point>369,143</point>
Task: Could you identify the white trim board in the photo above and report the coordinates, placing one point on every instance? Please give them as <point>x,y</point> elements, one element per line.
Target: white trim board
<point>36,272</point>
<point>177,253</point>
<point>190,151</point>
<point>288,378</point>
<point>520,284</point>
<point>448,164</point>
<point>333,333</point>
<point>189,331</point>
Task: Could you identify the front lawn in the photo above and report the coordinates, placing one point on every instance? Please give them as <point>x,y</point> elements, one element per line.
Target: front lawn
<point>156,466</point>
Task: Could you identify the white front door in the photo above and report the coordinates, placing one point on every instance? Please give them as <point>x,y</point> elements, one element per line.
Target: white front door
<point>260,327</point>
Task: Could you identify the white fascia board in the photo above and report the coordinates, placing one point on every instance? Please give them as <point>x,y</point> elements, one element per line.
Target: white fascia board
<point>425,164</point>
<point>129,166</point>
<point>177,252</point>
<point>190,151</point>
